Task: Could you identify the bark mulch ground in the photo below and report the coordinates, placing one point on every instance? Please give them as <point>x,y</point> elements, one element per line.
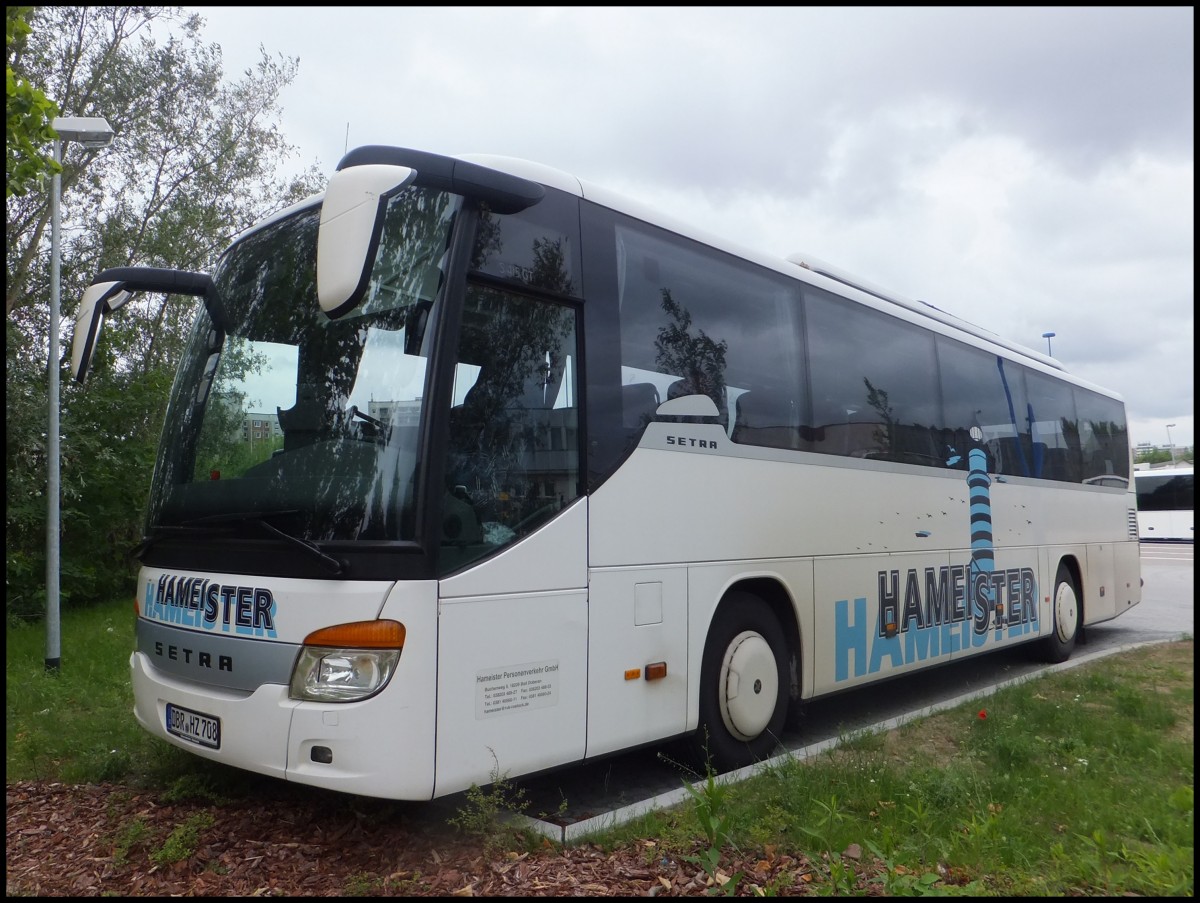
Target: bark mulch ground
<point>106,839</point>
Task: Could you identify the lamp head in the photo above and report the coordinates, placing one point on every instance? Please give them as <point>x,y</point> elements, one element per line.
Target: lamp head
<point>90,131</point>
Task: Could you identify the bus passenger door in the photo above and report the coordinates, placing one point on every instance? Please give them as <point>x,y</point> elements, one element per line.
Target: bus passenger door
<point>512,610</point>
<point>512,658</point>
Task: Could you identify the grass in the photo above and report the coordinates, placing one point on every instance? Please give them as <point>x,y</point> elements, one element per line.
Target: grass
<point>1077,782</point>
<point>76,725</point>
<point>181,843</point>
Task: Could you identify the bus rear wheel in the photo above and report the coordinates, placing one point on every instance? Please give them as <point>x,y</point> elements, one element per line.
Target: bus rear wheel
<point>743,684</point>
<point>1065,612</point>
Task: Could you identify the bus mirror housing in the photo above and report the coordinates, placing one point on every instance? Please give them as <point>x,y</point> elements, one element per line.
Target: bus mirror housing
<point>99,299</point>
<point>111,290</point>
<point>352,215</point>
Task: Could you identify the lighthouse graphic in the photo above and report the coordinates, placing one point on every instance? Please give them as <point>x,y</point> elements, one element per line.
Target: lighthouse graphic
<point>983,551</point>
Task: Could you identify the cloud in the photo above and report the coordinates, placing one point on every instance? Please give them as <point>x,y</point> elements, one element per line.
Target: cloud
<point>1028,169</point>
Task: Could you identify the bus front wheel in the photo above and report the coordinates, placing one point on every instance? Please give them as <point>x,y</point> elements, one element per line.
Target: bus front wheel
<point>1065,612</point>
<point>743,684</point>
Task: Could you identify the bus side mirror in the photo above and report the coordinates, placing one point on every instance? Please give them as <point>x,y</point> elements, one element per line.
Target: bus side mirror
<point>112,289</point>
<point>99,299</point>
<point>352,215</point>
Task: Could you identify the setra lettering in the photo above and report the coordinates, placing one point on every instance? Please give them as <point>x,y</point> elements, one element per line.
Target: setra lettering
<point>689,442</point>
<point>193,656</point>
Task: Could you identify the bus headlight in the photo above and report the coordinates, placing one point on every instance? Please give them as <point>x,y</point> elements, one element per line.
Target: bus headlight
<point>347,662</point>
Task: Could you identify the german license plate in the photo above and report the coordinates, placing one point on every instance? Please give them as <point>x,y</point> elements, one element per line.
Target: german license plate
<point>194,726</point>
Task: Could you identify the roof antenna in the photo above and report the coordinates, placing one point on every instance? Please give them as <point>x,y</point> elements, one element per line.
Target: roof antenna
<point>346,146</point>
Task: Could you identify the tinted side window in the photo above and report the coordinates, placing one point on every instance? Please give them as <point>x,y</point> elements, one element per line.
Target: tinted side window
<point>1103,438</point>
<point>512,460</point>
<point>874,384</point>
<point>1176,493</point>
<point>1054,429</point>
<point>985,390</point>
<point>538,247</point>
<point>696,321</point>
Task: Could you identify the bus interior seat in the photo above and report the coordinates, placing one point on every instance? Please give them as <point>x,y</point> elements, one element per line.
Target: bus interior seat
<point>639,401</point>
<point>1056,464</point>
<point>765,418</point>
<point>473,425</point>
<point>685,386</point>
<point>303,421</point>
<point>1097,464</point>
<point>538,391</point>
<point>957,443</point>
<point>916,445</point>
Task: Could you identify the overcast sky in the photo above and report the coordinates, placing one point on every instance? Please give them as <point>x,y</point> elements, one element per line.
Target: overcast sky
<point>1027,169</point>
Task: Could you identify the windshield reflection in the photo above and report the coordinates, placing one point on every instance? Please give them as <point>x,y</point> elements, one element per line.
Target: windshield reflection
<point>279,410</point>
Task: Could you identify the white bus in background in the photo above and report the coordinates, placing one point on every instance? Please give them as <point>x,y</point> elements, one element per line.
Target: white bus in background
<point>1166,503</point>
<point>560,477</point>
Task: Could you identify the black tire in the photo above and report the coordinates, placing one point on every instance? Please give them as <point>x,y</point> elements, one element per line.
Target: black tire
<point>743,684</point>
<point>1066,618</point>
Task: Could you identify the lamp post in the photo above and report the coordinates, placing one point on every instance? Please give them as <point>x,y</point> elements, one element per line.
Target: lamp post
<point>90,131</point>
<point>1048,336</point>
<point>1170,444</point>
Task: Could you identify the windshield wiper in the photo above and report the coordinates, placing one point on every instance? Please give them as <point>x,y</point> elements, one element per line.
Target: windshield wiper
<point>335,566</point>
<point>161,531</point>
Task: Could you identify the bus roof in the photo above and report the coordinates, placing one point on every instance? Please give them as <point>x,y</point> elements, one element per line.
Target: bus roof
<point>1176,471</point>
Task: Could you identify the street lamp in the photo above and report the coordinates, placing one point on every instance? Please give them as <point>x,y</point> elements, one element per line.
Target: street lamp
<point>1048,336</point>
<point>90,131</point>
<point>1170,444</point>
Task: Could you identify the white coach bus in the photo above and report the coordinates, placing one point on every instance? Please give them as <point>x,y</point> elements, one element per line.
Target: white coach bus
<point>542,476</point>
<point>1166,503</point>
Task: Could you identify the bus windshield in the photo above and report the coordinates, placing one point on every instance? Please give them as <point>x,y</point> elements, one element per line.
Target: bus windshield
<point>279,411</point>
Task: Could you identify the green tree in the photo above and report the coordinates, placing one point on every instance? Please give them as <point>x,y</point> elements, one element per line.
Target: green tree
<point>698,358</point>
<point>885,429</point>
<point>194,162</point>
<point>1152,456</point>
<point>29,114</point>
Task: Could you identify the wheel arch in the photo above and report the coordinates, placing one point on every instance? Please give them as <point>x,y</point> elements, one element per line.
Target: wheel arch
<point>1071,563</point>
<point>775,594</point>
<point>1054,647</point>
